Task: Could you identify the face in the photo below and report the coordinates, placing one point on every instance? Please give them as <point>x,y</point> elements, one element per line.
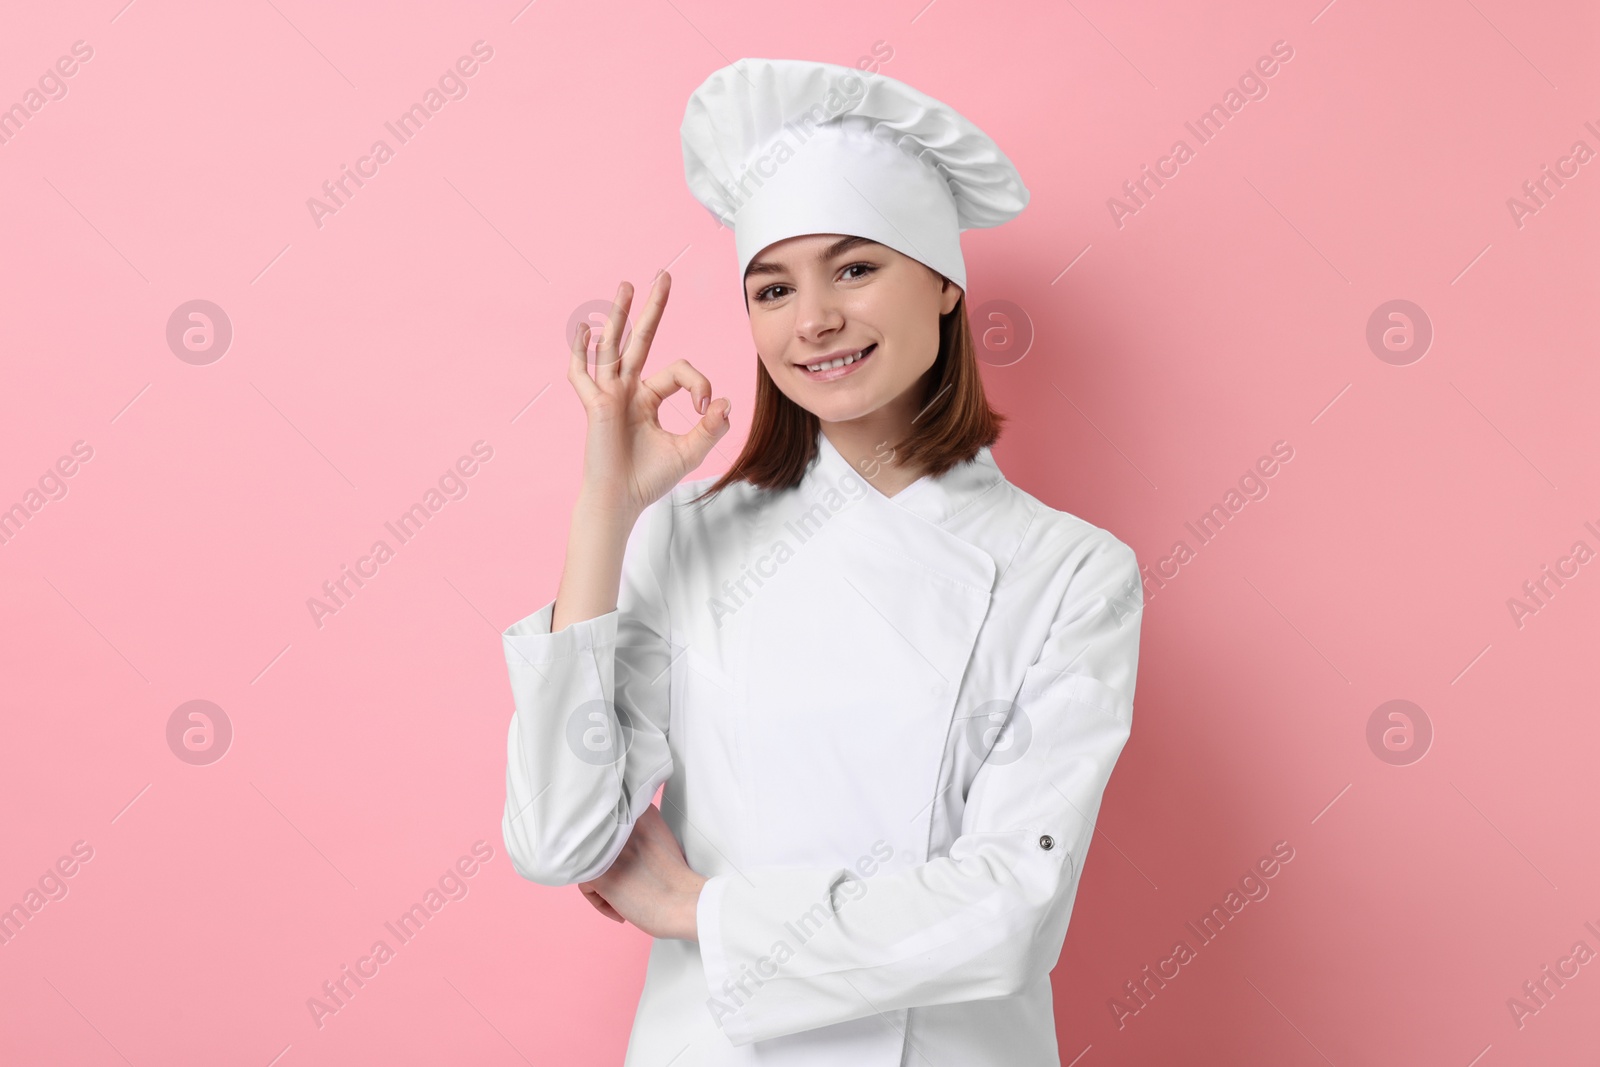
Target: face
<point>822,295</point>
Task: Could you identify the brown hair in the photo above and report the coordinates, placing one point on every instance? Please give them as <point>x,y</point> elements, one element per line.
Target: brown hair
<point>954,423</point>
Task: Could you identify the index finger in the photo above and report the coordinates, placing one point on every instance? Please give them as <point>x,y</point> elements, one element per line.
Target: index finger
<point>645,330</point>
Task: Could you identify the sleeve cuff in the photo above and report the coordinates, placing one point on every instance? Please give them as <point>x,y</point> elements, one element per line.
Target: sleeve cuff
<point>708,930</point>
<point>529,640</point>
<point>722,998</point>
<point>745,943</point>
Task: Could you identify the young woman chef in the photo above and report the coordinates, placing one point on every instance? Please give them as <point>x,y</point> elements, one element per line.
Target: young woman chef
<point>883,686</point>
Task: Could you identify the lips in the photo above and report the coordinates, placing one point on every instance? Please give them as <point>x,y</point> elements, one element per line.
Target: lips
<point>833,367</point>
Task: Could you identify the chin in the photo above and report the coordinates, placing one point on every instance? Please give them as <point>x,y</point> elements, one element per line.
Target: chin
<point>842,412</point>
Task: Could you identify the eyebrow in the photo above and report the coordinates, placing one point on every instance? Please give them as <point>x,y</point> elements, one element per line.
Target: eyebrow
<point>842,245</point>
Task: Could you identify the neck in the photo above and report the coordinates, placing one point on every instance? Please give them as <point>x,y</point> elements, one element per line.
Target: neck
<point>869,448</point>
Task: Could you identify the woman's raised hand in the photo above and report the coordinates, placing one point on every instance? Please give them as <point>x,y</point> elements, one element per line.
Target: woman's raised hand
<point>629,461</point>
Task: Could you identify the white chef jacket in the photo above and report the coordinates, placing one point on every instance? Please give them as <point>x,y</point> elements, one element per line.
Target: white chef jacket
<point>884,725</point>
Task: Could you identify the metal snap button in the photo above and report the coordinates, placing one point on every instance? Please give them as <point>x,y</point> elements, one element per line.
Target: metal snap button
<point>1047,842</point>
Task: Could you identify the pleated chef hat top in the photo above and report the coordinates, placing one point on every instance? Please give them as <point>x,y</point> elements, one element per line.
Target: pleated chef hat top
<point>777,148</point>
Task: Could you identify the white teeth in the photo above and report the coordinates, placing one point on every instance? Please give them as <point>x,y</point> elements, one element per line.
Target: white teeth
<point>843,361</point>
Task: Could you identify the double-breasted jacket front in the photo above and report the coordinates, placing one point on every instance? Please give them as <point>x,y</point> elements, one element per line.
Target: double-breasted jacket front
<point>883,725</point>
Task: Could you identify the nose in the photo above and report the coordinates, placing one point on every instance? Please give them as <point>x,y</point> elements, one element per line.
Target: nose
<point>817,314</point>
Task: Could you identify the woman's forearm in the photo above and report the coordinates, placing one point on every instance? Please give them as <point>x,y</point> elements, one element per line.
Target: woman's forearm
<point>592,575</point>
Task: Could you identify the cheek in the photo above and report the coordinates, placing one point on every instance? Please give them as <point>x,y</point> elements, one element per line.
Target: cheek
<point>906,317</point>
<point>773,362</point>
<point>768,339</point>
<point>769,355</point>
<point>917,339</point>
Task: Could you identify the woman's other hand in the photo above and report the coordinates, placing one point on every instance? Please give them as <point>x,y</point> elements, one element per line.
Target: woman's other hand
<point>651,884</point>
<point>629,461</point>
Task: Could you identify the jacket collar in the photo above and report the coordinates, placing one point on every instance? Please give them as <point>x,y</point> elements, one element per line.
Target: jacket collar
<point>937,499</point>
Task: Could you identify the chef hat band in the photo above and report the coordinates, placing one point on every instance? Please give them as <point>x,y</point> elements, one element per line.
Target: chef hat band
<point>779,148</point>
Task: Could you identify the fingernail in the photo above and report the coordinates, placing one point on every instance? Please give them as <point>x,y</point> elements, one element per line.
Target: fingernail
<point>701,406</point>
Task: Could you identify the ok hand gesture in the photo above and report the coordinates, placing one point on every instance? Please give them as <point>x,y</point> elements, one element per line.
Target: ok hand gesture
<point>629,461</point>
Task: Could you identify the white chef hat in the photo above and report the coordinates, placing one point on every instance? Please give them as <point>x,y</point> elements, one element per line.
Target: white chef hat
<point>777,148</point>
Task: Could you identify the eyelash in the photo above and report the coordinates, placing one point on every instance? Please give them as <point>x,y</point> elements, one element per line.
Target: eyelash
<point>763,298</point>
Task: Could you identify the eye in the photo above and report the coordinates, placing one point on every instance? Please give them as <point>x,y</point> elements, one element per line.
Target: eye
<point>767,295</point>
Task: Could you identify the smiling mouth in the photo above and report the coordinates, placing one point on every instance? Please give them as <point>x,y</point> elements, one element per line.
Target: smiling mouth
<point>818,369</point>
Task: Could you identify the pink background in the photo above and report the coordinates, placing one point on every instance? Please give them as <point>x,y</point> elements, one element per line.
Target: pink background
<point>368,354</point>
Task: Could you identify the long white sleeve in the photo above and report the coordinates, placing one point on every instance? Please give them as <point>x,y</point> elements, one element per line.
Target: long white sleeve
<point>582,696</point>
<point>787,950</point>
